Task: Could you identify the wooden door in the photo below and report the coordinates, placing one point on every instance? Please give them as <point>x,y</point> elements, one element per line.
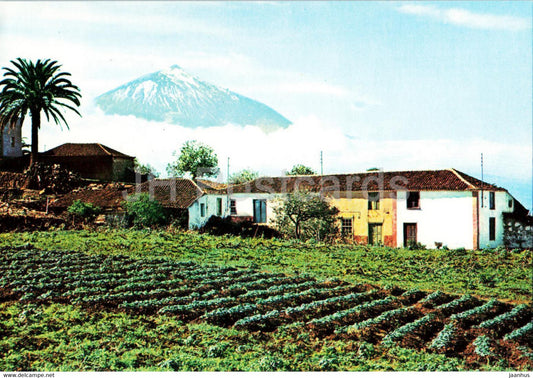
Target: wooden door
<point>409,234</point>
<point>375,234</point>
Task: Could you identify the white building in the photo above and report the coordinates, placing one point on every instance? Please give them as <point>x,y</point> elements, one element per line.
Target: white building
<point>435,208</point>
<point>454,218</point>
<point>197,200</point>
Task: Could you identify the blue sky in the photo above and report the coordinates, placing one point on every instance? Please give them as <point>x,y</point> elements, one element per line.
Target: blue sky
<point>397,85</point>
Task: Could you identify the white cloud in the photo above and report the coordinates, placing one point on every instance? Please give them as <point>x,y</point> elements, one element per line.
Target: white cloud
<point>272,153</point>
<point>463,17</point>
<point>103,15</point>
<point>308,87</point>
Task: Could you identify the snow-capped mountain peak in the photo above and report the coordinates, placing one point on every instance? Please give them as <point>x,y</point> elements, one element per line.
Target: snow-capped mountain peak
<point>178,74</point>
<point>173,95</point>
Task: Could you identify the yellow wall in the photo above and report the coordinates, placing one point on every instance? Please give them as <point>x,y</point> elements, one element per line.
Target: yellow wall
<point>357,209</point>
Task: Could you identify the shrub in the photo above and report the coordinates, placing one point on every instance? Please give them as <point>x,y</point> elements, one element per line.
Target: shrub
<point>458,252</point>
<point>225,226</point>
<point>83,210</point>
<point>144,212</point>
<point>306,215</point>
<point>415,246</point>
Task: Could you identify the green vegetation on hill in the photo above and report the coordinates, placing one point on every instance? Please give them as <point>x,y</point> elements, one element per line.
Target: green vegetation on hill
<point>67,338</point>
<point>73,311</point>
<point>500,274</point>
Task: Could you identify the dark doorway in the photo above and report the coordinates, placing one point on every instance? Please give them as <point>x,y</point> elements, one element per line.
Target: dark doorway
<point>375,233</point>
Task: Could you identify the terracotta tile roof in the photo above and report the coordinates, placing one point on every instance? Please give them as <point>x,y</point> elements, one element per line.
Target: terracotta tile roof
<point>174,192</point>
<point>477,183</point>
<point>210,185</point>
<point>446,179</point>
<point>106,196</point>
<point>84,149</point>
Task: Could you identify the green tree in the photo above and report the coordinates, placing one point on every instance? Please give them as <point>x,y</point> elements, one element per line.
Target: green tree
<point>35,88</point>
<point>300,170</point>
<point>195,159</point>
<point>143,211</point>
<point>243,176</point>
<point>84,211</point>
<point>144,169</point>
<point>306,215</point>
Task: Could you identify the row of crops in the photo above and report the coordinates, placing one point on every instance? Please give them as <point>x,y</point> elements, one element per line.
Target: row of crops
<point>252,300</point>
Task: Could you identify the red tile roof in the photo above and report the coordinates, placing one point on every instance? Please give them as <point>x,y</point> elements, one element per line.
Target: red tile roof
<point>176,193</point>
<point>210,185</point>
<point>105,196</point>
<point>438,180</point>
<point>84,149</point>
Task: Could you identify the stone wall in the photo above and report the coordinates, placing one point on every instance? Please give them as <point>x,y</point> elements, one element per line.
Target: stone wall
<point>518,233</point>
<point>12,180</point>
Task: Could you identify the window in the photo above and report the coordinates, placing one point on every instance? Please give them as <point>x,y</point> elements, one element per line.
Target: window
<point>413,200</point>
<point>492,228</point>
<point>219,207</point>
<point>12,141</point>
<point>260,214</point>
<point>510,203</point>
<point>233,207</point>
<point>346,227</point>
<point>373,201</point>
<point>202,209</point>
<point>492,202</point>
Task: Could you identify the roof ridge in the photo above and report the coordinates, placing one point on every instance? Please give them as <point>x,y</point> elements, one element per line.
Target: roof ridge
<point>179,178</point>
<point>349,174</point>
<point>104,148</point>
<point>197,187</point>
<point>462,178</point>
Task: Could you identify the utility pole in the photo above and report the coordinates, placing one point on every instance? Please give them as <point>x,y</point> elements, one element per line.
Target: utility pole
<point>227,192</point>
<point>321,165</point>
<point>482,179</point>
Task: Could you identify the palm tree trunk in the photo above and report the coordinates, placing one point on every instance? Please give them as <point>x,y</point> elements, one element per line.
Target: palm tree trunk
<point>35,125</point>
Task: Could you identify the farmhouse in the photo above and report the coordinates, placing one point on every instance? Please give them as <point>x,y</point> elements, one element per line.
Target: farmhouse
<point>185,199</point>
<point>92,161</point>
<point>435,208</point>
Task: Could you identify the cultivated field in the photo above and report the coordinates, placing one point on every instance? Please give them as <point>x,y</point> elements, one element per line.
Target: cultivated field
<point>465,330</point>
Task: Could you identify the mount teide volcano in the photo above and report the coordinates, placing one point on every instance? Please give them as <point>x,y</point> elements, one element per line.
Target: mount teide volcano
<point>174,96</point>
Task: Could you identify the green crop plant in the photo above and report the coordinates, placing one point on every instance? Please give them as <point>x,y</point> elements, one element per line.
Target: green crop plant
<point>516,312</point>
<point>521,333</point>
<point>445,337</point>
<point>386,316</point>
<point>483,346</point>
<point>391,338</point>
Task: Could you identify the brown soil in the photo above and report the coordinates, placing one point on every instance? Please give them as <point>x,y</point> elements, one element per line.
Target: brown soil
<point>22,223</point>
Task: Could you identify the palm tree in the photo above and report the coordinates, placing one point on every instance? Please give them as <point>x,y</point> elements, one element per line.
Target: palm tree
<point>35,88</point>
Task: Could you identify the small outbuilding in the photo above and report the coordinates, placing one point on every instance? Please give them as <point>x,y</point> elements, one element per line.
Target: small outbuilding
<point>92,161</point>
<point>11,139</point>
